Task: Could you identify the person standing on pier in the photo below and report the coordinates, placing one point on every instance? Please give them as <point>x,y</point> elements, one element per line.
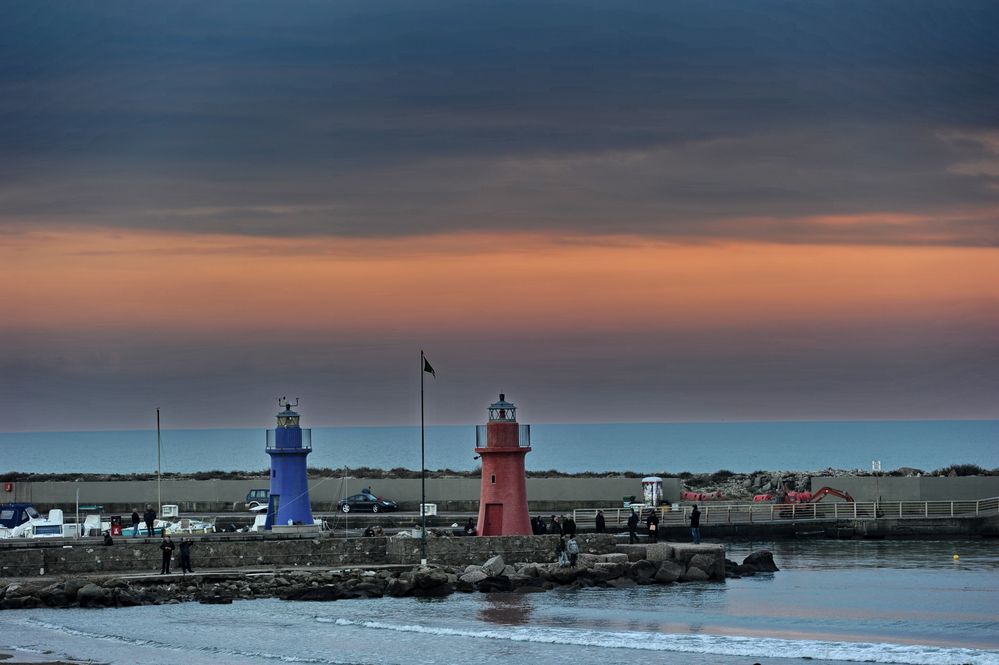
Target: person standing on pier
<point>167,547</point>
<point>185,555</point>
<point>149,517</point>
<point>601,522</point>
<point>652,522</point>
<point>633,527</point>
<point>135,522</point>
<point>569,526</point>
<point>695,525</point>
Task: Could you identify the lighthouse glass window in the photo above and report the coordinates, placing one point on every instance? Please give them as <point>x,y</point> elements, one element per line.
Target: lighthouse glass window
<point>287,421</point>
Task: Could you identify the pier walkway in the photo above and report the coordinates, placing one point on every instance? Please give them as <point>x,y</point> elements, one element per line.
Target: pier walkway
<point>719,512</point>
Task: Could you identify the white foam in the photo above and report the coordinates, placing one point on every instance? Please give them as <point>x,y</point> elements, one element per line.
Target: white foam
<point>721,645</point>
<point>131,641</point>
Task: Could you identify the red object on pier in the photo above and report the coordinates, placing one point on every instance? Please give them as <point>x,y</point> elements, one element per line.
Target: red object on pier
<point>503,497</point>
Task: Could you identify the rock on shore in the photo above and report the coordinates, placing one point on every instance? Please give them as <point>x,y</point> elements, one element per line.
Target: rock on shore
<point>662,564</point>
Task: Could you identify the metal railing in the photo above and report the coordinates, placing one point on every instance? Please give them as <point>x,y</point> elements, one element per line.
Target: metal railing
<point>273,447</point>
<point>753,513</point>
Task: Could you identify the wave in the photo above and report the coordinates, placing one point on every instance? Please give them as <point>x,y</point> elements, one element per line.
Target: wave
<point>719,645</point>
<point>221,651</point>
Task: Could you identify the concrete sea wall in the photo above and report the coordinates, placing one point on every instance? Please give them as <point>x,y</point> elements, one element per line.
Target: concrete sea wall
<point>914,488</point>
<point>57,557</point>
<point>450,494</point>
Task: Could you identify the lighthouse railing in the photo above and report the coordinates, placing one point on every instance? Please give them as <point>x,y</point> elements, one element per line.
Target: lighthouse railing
<point>482,436</point>
<point>272,440</point>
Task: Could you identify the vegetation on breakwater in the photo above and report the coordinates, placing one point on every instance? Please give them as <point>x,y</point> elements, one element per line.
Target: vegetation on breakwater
<point>690,479</point>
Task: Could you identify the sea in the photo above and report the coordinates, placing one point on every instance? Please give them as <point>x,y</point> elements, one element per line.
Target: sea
<point>639,447</point>
<point>832,602</point>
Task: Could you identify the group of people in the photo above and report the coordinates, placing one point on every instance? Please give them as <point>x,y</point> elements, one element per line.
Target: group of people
<point>567,550</point>
<point>167,547</point>
<point>652,525</point>
<point>560,526</point>
<point>149,517</point>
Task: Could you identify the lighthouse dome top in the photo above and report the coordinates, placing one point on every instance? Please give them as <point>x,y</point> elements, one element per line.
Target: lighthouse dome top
<point>287,417</point>
<point>502,410</point>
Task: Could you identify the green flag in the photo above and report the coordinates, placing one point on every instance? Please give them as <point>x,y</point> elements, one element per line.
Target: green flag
<point>428,368</point>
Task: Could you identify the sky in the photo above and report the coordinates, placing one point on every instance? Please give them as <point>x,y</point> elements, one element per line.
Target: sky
<point>611,212</point>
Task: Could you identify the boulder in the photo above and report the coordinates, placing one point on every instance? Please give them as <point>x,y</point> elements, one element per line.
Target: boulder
<point>369,589</point>
<point>642,571</point>
<point>91,595</point>
<point>705,562</point>
<point>668,572</point>
<point>529,570</point>
<point>473,577</point>
<point>428,578</point>
<point>494,566</point>
<point>398,587</point>
<point>564,575</point>
<point>744,570</point>
<point>762,561</point>
<point>608,570</point>
<point>472,567</point>
<point>509,570</point>
<point>694,574</point>
<point>324,593</point>
<point>615,557</point>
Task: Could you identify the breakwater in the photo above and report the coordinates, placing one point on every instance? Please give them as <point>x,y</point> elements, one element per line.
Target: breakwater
<point>627,566</point>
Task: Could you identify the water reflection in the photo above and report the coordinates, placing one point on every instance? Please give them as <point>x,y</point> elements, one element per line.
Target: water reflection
<point>507,609</point>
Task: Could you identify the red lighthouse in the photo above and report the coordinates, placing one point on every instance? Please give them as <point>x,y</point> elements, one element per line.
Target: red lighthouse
<point>502,445</point>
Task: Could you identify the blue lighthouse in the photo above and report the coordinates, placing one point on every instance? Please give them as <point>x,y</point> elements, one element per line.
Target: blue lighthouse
<point>288,445</point>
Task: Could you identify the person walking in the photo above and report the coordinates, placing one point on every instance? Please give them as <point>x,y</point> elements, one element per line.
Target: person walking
<point>560,554</point>
<point>695,525</point>
<point>135,522</point>
<point>166,545</point>
<point>633,527</point>
<point>601,522</point>
<point>185,555</point>
<point>652,522</point>
<point>572,549</point>
<point>150,518</point>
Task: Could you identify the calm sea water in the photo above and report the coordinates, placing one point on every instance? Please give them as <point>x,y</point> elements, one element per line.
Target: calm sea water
<point>833,602</point>
<point>644,448</point>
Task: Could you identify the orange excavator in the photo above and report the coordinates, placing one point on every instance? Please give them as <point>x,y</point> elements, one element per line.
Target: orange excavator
<point>803,497</point>
<point>826,491</point>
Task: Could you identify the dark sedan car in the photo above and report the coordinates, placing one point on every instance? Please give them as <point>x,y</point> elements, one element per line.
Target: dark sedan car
<point>366,502</point>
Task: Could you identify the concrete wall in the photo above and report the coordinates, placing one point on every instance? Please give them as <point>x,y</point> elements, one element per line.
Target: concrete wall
<point>215,495</point>
<point>870,488</point>
<point>30,559</point>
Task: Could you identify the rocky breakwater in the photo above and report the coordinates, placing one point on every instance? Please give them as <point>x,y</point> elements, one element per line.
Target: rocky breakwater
<point>633,565</point>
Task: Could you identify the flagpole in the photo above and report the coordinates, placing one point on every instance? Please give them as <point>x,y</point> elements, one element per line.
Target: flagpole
<point>159,474</point>
<point>423,470</point>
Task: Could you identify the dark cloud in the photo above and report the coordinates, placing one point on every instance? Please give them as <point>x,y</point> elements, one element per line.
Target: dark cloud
<point>395,118</point>
<point>945,369</point>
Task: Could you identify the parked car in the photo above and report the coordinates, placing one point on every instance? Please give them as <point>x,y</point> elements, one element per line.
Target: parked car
<point>366,502</point>
<point>257,499</point>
